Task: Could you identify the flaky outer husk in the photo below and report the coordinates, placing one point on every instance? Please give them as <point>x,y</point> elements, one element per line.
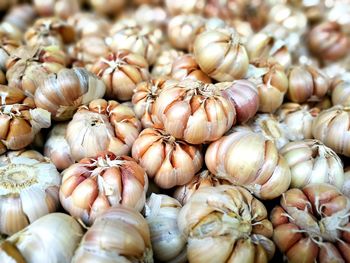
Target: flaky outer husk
<point>312,224</point>
<point>226,224</point>
<point>118,235</point>
<point>161,213</point>
<point>169,161</point>
<point>248,159</point>
<point>95,184</point>
<point>194,111</point>
<point>50,239</point>
<point>62,93</point>
<point>103,126</point>
<point>331,127</point>
<point>57,148</point>
<point>310,161</point>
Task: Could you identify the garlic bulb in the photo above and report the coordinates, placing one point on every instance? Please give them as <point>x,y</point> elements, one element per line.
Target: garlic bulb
<point>7,46</point>
<point>250,160</point>
<point>307,83</point>
<point>27,67</point>
<point>205,178</point>
<point>297,119</point>
<point>7,157</point>
<point>220,54</point>
<point>29,190</point>
<point>168,161</point>
<point>19,124</point>
<point>226,224</point>
<point>310,161</point>
<point>121,72</point>
<point>143,100</point>
<point>107,7</point>
<point>194,111</point>
<point>185,6</point>
<point>94,184</point>
<point>146,13</point>
<point>120,234</point>
<point>341,90</point>
<point>161,212</point>
<point>163,64</point>
<point>50,31</point>
<point>332,128</point>
<point>186,67</point>
<point>60,8</point>
<point>50,239</point>
<point>103,126</point>
<point>346,186</point>
<point>62,93</point>
<point>142,39</point>
<point>57,148</point>
<point>312,224</point>
<point>244,95</point>
<point>88,24</point>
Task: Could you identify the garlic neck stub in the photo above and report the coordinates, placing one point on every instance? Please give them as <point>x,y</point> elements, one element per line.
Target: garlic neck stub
<point>28,190</point>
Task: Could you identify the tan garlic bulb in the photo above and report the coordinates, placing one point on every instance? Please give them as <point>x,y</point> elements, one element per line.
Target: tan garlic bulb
<point>331,127</point>
<point>50,31</point>
<point>340,90</point>
<point>310,161</point>
<point>183,29</point>
<point>185,6</point>
<point>164,62</point>
<point>28,189</point>
<point>307,83</point>
<point>186,67</point>
<point>168,244</point>
<point>7,46</point>
<point>87,24</point>
<point>312,224</point>
<point>244,95</point>
<point>265,46</point>
<point>62,93</point>
<point>194,111</point>
<point>94,184</point>
<point>50,239</point>
<point>142,39</point>
<point>298,120</point>
<point>27,66</point>
<point>220,54</point>
<point>272,84</point>
<point>120,234</point>
<point>151,14</point>
<point>107,7</point>
<point>57,148</point>
<point>61,8</point>
<point>203,179</point>
<point>226,224</point>
<point>144,98</point>
<point>168,161</point>
<point>121,72</point>
<point>19,123</point>
<point>249,159</point>
<point>328,42</point>
<point>103,126</point>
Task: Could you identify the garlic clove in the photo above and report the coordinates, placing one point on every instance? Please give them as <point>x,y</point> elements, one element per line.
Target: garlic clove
<point>303,251</point>
<point>86,189</point>
<point>244,251</point>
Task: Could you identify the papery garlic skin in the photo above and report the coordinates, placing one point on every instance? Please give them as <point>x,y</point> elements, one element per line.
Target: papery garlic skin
<point>61,8</point>
<point>103,126</point>
<point>163,64</point>
<point>341,90</point>
<point>50,239</point>
<point>310,161</point>
<point>95,184</point>
<point>168,161</point>
<point>62,93</point>
<point>220,54</point>
<point>226,224</point>
<point>250,160</point>
<point>331,127</point>
<point>7,46</point>
<point>205,178</point>
<point>88,24</point>
<point>312,224</point>
<point>57,148</point>
<point>29,190</point>
<point>120,234</point>
<point>161,213</point>
<point>194,111</point>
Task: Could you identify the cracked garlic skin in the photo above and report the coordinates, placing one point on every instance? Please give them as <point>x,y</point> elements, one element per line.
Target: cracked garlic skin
<point>248,159</point>
<point>28,191</point>
<point>169,161</point>
<point>50,239</point>
<point>312,224</point>
<point>95,184</point>
<point>226,224</point>
<point>120,234</point>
